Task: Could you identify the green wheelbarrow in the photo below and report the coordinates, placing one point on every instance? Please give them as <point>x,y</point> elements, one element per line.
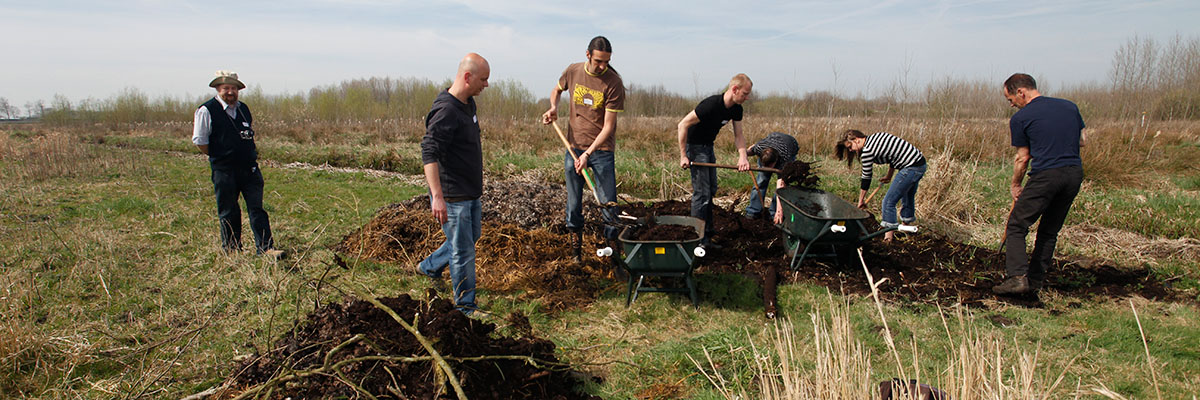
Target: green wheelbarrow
<point>816,220</point>
<point>665,258</point>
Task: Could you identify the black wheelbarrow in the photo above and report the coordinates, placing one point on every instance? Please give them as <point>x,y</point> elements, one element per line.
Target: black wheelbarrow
<point>663,258</point>
<point>819,220</point>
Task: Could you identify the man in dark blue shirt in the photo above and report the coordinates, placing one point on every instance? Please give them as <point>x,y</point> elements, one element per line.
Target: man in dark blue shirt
<point>453,161</point>
<point>1047,133</point>
<point>697,133</point>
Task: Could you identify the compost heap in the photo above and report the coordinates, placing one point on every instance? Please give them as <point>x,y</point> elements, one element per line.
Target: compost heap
<point>525,250</point>
<point>348,332</point>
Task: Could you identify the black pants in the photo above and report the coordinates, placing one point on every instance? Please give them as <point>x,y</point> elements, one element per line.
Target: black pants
<point>228,183</point>
<point>1048,195</point>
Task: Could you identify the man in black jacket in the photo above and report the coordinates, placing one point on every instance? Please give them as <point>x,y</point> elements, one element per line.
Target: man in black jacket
<point>223,130</point>
<point>453,158</point>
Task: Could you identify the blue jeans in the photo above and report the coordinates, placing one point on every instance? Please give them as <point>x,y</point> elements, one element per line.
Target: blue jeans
<point>904,191</point>
<point>462,229</point>
<point>603,164</point>
<point>247,181</point>
<point>704,184</point>
<point>755,208</point>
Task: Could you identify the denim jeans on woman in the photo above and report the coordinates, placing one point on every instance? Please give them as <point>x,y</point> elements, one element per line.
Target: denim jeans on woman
<point>462,229</point>
<point>903,191</point>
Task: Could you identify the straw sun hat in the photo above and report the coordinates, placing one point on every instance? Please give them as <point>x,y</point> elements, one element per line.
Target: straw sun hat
<point>229,77</point>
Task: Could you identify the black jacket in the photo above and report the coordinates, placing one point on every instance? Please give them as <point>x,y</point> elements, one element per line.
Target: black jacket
<point>452,141</point>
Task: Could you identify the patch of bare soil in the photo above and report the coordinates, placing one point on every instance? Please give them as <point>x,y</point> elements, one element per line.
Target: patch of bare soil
<point>525,250</point>
<point>376,354</point>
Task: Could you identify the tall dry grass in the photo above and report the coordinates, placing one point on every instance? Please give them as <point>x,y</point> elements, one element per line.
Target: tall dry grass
<point>835,364</point>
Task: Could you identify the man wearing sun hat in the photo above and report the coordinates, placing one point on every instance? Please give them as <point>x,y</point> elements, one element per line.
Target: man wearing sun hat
<point>223,130</point>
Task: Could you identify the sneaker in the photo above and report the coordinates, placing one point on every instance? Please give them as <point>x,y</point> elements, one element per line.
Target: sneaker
<point>1013,285</point>
<point>435,282</point>
<point>274,254</point>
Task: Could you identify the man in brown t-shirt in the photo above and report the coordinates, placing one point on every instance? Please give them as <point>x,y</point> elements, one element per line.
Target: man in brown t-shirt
<point>597,95</point>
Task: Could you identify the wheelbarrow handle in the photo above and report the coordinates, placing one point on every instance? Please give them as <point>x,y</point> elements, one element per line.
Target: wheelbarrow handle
<point>714,165</point>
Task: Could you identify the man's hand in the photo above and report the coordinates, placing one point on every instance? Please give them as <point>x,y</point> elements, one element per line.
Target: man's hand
<point>550,116</point>
<point>862,204</point>
<point>1016,192</point>
<point>779,216</point>
<point>438,205</point>
<point>684,162</point>
<point>743,163</point>
<point>581,163</point>
<point>884,180</point>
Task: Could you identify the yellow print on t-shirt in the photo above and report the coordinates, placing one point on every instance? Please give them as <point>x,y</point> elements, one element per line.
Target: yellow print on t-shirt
<point>587,97</point>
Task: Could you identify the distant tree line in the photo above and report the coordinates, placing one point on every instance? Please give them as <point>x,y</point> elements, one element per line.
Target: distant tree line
<point>1157,79</point>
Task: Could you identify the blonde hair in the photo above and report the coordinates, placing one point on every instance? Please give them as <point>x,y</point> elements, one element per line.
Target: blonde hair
<point>740,80</point>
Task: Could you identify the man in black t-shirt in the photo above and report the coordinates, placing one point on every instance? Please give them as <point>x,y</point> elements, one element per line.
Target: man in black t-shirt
<point>697,132</point>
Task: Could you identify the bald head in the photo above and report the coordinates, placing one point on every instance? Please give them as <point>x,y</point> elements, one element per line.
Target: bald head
<point>472,77</point>
<point>473,63</point>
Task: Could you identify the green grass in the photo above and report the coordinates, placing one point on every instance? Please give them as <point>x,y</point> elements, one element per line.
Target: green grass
<point>111,276</point>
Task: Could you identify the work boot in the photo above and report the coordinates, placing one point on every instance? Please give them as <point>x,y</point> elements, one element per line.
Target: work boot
<point>1035,285</point>
<point>708,244</point>
<point>577,244</point>
<point>1013,285</point>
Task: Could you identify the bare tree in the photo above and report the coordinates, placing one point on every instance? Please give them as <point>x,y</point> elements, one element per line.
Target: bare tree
<point>6,108</point>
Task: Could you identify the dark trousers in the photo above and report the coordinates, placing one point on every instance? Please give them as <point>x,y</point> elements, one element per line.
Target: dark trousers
<point>1047,195</point>
<point>228,183</point>
<point>704,185</point>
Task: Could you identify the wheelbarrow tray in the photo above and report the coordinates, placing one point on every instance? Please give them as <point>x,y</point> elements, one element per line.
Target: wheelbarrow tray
<point>806,213</point>
<point>666,258</point>
<point>661,255</point>
<point>814,219</point>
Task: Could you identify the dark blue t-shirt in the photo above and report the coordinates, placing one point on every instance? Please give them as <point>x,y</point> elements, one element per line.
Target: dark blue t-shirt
<point>1051,128</point>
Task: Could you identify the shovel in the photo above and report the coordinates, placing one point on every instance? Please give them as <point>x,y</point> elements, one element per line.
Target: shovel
<point>762,169</point>
<point>587,177</point>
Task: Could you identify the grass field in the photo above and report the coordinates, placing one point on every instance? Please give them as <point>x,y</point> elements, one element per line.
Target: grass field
<point>112,284</point>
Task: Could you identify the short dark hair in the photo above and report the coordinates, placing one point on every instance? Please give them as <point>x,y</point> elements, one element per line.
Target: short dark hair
<point>768,157</point>
<point>1019,81</point>
<point>599,43</point>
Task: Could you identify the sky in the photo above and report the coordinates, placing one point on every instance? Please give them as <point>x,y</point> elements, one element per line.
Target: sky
<point>98,48</point>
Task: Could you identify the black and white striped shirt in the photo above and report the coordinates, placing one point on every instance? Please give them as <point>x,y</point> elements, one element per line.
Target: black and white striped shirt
<point>884,148</point>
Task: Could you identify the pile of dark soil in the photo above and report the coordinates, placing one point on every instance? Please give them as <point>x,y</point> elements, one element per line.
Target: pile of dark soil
<point>800,174</point>
<point>377,355</point>
<point>523,246</point>
<point>925,267</point>
<point>663,232</point>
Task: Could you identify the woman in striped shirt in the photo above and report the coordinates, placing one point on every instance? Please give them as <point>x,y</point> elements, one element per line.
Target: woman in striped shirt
<point>884,148</point>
